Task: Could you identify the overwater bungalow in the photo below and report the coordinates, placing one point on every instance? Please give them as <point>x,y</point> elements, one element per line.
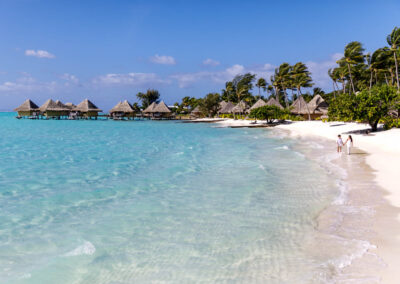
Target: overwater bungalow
<point>149,110</point>
<point>274,102</point>
<point>240,108</point>
<point>87,109</point>
<point>52,109</point>
<point>227,109</point>
<point>196,113</point>
<point>70,105</point>
<point>318,107</point>
<point>259,103</point>
<point>161,111</point>
<point>122,110</point>
<point>28,109</point>
<point>300,107</point>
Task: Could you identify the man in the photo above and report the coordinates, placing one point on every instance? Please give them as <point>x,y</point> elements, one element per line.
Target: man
<point>339,143</point>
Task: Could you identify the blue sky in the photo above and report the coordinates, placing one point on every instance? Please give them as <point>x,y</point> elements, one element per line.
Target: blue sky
<point>109,50</point>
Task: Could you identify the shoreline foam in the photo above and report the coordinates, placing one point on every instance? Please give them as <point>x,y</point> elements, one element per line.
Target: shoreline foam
<point>383,157</point>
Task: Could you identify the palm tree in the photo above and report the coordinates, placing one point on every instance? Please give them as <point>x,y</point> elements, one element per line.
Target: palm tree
<point>353,55</point>
<point>282,79</point>
<point>394,42</point>
<point>380,62</point>
<point>333,75</point>
<point>261,83</point>
<point>301,77</point>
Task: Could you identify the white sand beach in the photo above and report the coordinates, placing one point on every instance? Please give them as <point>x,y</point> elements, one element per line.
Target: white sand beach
<point>383,149</point>
<point>383,156</point>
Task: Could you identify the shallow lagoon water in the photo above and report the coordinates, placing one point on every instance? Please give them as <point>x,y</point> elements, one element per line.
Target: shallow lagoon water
<point>156,202</point>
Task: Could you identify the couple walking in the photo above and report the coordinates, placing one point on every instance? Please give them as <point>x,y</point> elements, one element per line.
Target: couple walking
<point>348,142</point>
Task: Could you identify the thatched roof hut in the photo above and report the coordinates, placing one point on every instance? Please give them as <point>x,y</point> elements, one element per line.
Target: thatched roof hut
<point>318,105</point>
<point>259,103</point>
<point>27,107</point>
<point>161,108</point>
<point>196,112</point>
<point>123,108</point>
<point>150,108</point>
<point>222,105</point>
<point>87,109</point>
<point>52,108</point>
<point>299,106</point>
<point>274,102</point>
<point>241,107</point>
<point>227,108</point>
<point>70,105</point>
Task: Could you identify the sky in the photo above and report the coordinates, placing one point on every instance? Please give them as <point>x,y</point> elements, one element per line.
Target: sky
<point>109,51</point>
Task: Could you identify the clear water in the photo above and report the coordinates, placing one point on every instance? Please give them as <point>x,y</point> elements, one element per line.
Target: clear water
<point>155,202</point>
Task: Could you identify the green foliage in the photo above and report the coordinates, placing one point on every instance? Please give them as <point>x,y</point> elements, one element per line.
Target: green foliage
<point>136,107</point>
<point>374,104</point>
<point>268,113</point>
<point>149,97</point>
<point>369,105</point>
<point>390,122</point>
<point>210,104</point>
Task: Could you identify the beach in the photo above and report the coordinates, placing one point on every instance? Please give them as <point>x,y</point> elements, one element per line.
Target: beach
<point>381,153</point>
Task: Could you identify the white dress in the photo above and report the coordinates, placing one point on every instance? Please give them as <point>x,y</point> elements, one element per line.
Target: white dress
<point>349,146</point>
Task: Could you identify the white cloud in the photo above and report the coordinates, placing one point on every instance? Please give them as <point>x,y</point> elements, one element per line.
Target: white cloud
<point>39,53</point>
<point>211,62</point>
<point>69,78</point>
<point>319,71</point>
<point>163,59</point>
<point>188,79</point>
<point>27,84</point>
<point>129,79</point>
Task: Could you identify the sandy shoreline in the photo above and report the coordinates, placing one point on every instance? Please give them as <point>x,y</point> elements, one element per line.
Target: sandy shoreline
<point>383,157</point>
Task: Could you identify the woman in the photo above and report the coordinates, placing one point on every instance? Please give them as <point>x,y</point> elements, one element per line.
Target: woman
<point>349,143</point>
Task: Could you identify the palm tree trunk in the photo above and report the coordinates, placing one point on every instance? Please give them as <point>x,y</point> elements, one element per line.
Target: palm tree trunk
<point>387,82</point>
<point>286,99</point>
<point>370,80</point>
<point>351,78</point>
<point>397,70</point>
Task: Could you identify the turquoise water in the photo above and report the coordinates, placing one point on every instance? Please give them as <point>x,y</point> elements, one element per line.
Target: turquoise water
<point>155,202</point>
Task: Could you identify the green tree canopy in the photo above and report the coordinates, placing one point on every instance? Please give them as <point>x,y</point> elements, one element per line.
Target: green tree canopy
<point>149,97</point>
<point>209,105</point>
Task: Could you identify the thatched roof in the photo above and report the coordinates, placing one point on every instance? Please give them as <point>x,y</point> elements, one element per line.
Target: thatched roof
<point>196,110</point>
<point>241,107</point>
<point>274,102</point>
<point>28,105</point>
<point>51,105</point>
<point>259,103</point>
<point>86,106</point>
<point>222,105</point>
<point>150,108</point>
<point>299,106</point>
<point>318,105</point>
<point>227,108</point>
<point>61,105</point>
<point>70,105</point>
<point>161,108</point>
<point>124,107</point>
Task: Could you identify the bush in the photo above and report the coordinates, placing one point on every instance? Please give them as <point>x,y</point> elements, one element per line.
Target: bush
<point>367,106</point>
<point>268,113</point>
<point>390,122</point>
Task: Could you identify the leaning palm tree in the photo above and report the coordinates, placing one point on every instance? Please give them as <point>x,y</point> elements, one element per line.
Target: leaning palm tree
<point>394,42</point>
<point>301,77</point>
<point>380,63</point>
<point>353,55</point>
<point>282,79</point>
<point>334,77</point>
<point>261,83</point>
